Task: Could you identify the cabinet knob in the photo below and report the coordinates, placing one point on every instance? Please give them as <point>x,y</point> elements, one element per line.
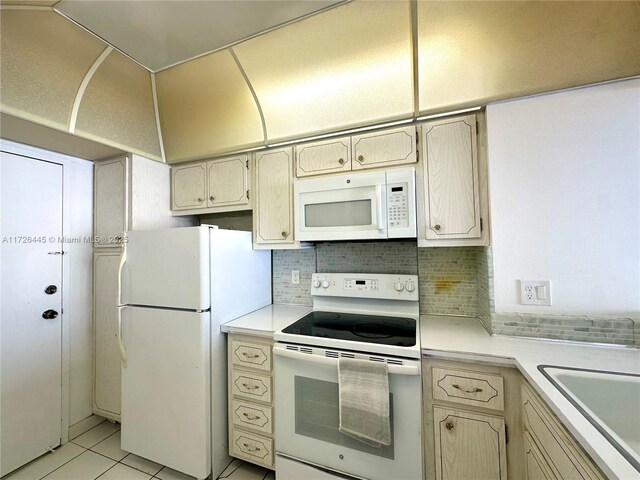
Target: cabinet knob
<point>51,289</point>
<point>199,200</point>
<point>360,158</point>
<point>437,227</point>
<point>448,426</point>
<point>212,198</point>
<point>341,161</point>
<point>284,234</point>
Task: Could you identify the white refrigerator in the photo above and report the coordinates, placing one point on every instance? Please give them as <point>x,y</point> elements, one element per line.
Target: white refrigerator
<point>176,287</point>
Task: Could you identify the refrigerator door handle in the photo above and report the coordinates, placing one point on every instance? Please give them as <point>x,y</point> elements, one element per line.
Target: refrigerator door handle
<point>123,351</point>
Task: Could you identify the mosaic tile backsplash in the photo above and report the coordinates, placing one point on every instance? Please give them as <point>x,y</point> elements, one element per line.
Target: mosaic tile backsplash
<point>618,330</point>
<point>448,283</point>
<point>448,280</point>
<point>452,281</point>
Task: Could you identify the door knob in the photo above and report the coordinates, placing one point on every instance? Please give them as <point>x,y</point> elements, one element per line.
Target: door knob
<point>437,227</point>
<point>49,314</point>
<point>51,289</point>
<point>448,426</point>
<point>360,158</point>
<point>212,198</point>
<point>341,161</point>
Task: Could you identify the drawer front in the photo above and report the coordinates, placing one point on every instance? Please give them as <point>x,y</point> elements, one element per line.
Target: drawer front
<point>253,355</point>
<point>252,416</point>
<point>251,386</point>
<point>254,448</point>
<point>468,388</point>
<point>558,448</point>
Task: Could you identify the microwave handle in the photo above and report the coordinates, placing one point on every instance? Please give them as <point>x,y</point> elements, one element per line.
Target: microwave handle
<point>379,207</point>
<point>393,369</point>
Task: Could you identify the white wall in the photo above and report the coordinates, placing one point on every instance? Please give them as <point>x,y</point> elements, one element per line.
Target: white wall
<point>564,179</point>
<point>81,281</point>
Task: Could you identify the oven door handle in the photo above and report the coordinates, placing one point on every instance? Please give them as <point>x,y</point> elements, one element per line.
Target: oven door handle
<point>393,369</point>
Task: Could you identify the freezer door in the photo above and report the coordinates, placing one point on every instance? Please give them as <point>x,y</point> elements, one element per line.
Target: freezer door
<point>165,388</point>
<point>167,268</point>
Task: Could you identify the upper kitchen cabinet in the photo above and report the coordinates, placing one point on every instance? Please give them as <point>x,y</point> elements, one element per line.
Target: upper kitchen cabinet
<point>349,66</point>
<point>117,107</point>
<point>228,182</point>
<point>57,75</point>
<point>273,211</point>
<point>206,108</point>
<point>472,53</point>
<point>43,60</point>
<point>130,193</point>
<point>384,148</point>
<point>189,186</point>
<point>213,186</point>
<point>452,206</point>
<point>326,156</point>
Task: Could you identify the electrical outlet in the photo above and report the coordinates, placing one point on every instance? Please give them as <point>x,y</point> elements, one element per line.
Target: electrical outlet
<point>535,292</point>
<point>295,277</point>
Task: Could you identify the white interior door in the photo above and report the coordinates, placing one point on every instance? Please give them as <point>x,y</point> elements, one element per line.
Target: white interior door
<point>31,370</point>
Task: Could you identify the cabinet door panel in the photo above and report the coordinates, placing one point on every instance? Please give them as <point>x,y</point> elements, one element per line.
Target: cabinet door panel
<point>106,349</point>
<point>227,181</point>
<point>451,179</point>
<point>110,200</point>
<point>384,148</point>
<point>328,156</point>
<point>188,186</point>
<point>535,464</point>
<point>469,445</point>
<point>274,223</point>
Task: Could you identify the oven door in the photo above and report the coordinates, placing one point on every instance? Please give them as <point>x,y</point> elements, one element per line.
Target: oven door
<point>307,416</point>
<point>341,207</point>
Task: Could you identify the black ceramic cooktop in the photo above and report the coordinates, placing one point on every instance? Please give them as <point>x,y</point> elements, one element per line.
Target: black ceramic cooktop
<point>396,331</point>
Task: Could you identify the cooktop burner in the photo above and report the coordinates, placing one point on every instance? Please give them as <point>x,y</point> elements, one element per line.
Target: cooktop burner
<point>395,331</point>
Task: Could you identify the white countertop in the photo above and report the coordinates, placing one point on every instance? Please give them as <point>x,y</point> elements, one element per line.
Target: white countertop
<point>266,321</point>
<point>465,338</point>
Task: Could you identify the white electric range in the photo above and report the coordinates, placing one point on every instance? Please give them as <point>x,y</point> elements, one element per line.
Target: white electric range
<point>372,317</point>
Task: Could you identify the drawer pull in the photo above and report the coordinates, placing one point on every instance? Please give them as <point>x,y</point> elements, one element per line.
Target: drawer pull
<point>246,355</point>
<point>448,426</point>
<point>250,387</point>
<point>473,390</point>
<point>251,418</point>
<point>254,449</point>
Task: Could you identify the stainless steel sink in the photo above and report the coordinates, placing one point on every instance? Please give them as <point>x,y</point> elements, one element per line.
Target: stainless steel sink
<point>609,400</point>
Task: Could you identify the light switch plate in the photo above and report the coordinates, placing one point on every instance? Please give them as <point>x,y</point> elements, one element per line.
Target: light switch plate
<point>535,292</point>
<point>295,277</point>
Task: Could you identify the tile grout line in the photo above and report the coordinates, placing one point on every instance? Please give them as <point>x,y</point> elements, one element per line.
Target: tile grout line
<point>89,448</point>
<point>49,473</point>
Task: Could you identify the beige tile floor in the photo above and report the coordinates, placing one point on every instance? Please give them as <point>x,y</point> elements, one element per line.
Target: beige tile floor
<point>96,454</point>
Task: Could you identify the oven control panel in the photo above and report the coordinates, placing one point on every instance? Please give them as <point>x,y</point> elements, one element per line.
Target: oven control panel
<point>365,285</point>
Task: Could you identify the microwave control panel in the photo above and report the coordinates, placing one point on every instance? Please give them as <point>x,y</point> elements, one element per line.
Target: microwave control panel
<point>401,203</point>
<point>397,205</point>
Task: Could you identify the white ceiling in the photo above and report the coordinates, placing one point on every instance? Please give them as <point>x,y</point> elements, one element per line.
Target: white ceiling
<point>158,34</point>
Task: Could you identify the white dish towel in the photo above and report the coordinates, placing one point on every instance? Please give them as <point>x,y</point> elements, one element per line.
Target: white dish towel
<point>364,401</point>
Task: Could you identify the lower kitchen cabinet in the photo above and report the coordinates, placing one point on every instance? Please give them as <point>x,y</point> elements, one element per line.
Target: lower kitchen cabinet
<point>469,445</point>
<point>472,423</point>
<point>251,428</point>
<point>106,375</point>
<point>552,452</point>
<point>536,466</point>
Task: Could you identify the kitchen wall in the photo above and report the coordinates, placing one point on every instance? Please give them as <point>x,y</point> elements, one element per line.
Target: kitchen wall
<point>448,276</point>
<point>564,171</point>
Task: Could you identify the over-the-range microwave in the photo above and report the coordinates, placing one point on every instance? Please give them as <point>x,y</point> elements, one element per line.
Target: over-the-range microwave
<point>356,206</point>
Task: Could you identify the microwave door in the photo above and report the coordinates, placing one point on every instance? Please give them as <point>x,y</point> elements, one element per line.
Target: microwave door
<point>338,208</point>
